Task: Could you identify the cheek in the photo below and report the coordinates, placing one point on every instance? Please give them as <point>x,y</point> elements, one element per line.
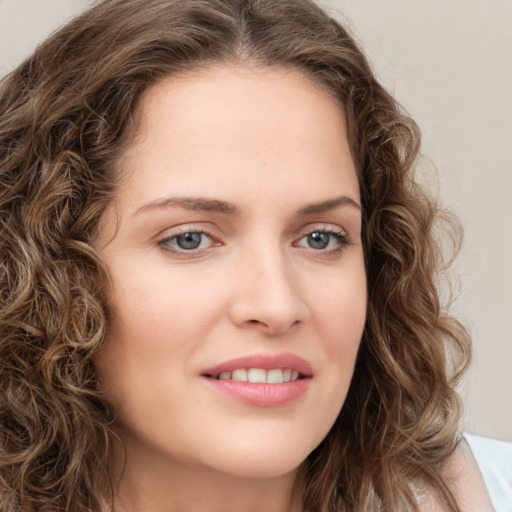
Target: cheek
<point>155,324</point>
<point>162,305</point>
<point>339,313</point>
<point>339,307</point>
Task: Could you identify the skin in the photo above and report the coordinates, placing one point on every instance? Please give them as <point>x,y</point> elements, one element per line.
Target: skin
<point>270,143</point>
<point>463,476</point>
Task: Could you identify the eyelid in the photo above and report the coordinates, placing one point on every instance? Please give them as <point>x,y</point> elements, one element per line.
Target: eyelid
<point>334,230</point>
<point>164,239</point>
<point>189,227</point>
<point>321,227</point>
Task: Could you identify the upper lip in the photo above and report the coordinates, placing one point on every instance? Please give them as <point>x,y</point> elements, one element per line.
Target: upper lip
<point>263,361</point>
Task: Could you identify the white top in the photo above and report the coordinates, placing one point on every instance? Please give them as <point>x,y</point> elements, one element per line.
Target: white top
<point>494,459</point>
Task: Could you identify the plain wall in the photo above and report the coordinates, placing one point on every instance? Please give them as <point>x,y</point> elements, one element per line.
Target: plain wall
<point>450,65</point>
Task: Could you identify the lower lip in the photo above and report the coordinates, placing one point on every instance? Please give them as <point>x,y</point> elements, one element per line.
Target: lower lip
<point>261,394</point>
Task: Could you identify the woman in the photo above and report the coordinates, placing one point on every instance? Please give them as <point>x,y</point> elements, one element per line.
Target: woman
<point>219,276</point>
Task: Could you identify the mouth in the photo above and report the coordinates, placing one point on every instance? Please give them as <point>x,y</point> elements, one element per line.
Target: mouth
<point>262,368</point>
<point>261,379</point>
<point>259,375</point>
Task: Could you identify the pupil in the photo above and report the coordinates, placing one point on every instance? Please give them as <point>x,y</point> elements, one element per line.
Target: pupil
<point>318,240</point>
<point>189,240</point>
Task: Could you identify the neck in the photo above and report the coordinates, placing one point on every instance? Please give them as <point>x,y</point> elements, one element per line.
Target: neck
<point>151,481</point>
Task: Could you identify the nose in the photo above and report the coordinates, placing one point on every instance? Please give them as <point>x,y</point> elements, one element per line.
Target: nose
<point>268,294</point>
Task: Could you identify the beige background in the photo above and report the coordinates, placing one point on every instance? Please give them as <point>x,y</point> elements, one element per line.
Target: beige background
<point>450,64</point>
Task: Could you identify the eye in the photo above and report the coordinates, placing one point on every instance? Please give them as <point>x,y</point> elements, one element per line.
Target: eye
<point>188,241</point>
<point>324,240</point>
<point>318,240</point>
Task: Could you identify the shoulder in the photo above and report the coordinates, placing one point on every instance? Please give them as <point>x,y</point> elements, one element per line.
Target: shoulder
<point>462,475</point>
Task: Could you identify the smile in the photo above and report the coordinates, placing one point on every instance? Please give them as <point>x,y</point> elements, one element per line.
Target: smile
<point>259,375</point>
<point>263,380</point>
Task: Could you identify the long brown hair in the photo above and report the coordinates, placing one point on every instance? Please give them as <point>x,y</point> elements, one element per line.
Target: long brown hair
<point>66,114</point>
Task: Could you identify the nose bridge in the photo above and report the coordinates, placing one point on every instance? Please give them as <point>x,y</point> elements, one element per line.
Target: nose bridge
<point>267,291</point>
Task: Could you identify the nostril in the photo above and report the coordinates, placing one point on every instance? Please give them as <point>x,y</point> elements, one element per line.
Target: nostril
<point>258,324</point>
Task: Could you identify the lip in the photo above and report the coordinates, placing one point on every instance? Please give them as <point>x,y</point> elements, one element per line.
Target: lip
<point>263,361</point>
<point>261,394</point>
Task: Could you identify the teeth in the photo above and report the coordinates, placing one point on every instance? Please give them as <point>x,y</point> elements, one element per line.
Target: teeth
<point>240,375</point>
<point>275,376</point>
<point>258,375</point>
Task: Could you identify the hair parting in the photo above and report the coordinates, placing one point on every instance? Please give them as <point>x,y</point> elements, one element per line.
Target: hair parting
<point>67,116</point>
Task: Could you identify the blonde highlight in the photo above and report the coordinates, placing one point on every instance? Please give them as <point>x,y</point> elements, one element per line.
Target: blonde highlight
<point>67,115</point>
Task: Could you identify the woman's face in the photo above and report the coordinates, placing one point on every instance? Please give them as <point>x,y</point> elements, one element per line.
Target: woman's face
<point>235,253</point>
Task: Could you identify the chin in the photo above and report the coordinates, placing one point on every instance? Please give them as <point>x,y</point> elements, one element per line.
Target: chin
<point>268,467</point>
<point>264,457</point>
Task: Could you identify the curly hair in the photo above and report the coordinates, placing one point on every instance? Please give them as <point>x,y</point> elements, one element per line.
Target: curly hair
<point>66,115</point>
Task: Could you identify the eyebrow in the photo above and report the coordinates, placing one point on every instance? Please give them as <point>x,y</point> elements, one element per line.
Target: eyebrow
<point>219,206</point>
<point>329,204</point>
<point>191,203</point>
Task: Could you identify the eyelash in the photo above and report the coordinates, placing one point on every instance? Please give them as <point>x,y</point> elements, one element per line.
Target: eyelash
<point>341,238</point>
<point>167,245</point>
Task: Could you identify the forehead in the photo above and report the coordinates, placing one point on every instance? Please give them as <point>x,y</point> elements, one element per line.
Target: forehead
<point>238,94</point>
<point>230,123</point>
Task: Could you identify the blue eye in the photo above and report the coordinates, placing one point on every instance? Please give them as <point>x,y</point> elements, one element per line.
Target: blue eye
<point>324,241</point>
<point>186,242</point>
<point>318,240</point>
<point>189,241</point>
